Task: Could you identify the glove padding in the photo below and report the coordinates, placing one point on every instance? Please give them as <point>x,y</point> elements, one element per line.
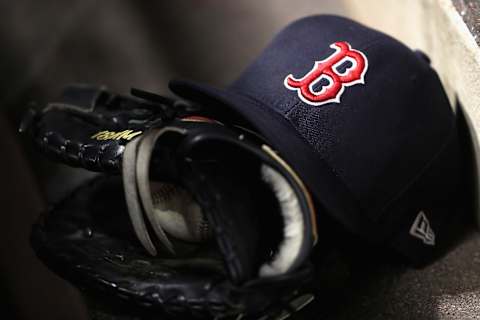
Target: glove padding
<point>260,215</point>
<point>87,239</point>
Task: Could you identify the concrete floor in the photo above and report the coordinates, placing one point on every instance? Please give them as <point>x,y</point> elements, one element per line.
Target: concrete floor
<point>447,289</point>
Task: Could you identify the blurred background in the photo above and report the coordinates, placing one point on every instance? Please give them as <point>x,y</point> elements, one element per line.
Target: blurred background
<point>122,44</point>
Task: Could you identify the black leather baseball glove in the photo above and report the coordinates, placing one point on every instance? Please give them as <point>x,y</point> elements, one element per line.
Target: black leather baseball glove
<point>202,219</point>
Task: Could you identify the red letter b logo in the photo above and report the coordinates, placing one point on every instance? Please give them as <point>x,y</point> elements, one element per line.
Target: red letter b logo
<point>328,69</point>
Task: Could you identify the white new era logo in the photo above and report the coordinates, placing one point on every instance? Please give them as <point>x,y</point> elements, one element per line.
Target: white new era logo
<point>421,229</point>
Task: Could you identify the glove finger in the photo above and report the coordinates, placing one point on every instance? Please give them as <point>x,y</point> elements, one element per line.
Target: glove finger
<point>89,126</point>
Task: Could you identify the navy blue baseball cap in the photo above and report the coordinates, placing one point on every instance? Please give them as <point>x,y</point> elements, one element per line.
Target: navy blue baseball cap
<point>363,119</point>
